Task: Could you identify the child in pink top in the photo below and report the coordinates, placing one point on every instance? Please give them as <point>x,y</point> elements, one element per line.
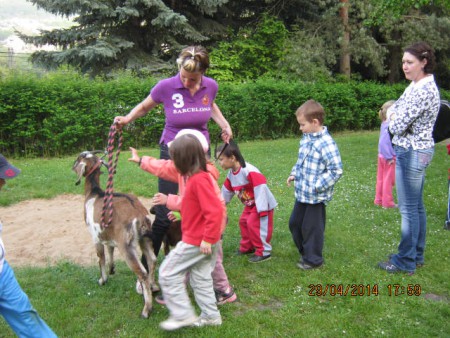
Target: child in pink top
<point>386,163</point>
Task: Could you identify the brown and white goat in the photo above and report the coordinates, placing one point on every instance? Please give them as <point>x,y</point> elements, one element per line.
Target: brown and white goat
<point>130,222</point>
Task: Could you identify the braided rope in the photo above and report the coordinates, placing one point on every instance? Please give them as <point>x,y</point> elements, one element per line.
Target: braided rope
<point>107,210</point>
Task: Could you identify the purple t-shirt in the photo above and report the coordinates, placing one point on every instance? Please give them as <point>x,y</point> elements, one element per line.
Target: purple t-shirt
<point>183,110</point>
<point>385,148</point>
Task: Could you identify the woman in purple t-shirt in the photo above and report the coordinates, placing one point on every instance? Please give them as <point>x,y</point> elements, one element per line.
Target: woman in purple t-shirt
<point>189,102</point>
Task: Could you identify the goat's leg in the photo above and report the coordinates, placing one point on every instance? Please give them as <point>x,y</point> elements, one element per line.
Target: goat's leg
<point>102,263</point>
<point>147,249</point>
<point>111,265</point>
<point>132,259</point>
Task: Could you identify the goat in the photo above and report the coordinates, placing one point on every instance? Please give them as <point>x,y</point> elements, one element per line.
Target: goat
<point>173,234</point>
<point>129,224</point>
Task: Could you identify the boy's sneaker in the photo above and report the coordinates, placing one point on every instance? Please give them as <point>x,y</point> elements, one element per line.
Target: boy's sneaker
<point>258,259</point>
<point>305,266</point>
<point>203,321</point>
<point>172,324</point>
<point>225,297</point>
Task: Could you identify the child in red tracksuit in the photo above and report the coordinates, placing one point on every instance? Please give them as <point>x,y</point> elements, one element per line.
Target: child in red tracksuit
<point>386,163</point>
<point>256,221</point>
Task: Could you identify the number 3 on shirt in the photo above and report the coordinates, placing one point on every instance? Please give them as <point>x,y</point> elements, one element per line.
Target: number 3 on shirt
<point>178,100</point>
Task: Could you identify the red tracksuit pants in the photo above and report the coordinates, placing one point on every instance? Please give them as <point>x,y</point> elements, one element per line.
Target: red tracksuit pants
<point>256,231</point>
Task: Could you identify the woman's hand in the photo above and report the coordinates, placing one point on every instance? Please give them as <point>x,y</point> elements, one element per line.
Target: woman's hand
<point>218,117</point>
<point>227,134</point>
<point>121,121</point>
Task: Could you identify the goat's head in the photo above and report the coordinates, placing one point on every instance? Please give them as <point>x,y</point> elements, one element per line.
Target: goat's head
<point>86,163</point>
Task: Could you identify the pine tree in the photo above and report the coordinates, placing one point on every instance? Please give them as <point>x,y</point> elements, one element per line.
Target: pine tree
<point>118,34</point>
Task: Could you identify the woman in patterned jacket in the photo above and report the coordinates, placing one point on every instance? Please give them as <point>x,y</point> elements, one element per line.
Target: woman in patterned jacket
<point>411,123</point>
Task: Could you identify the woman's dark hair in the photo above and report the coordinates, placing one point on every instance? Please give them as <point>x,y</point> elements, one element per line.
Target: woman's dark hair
<point>231,149</point>
<point>187,154</point>
<point>422,50</point>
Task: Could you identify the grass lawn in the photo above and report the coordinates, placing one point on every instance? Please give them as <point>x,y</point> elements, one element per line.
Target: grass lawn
<point>276,299</point>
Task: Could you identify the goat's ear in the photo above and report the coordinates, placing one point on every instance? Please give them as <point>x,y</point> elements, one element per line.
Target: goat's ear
<point>79,169</point>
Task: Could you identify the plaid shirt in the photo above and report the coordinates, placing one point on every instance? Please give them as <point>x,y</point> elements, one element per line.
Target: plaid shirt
<point>318,168</point>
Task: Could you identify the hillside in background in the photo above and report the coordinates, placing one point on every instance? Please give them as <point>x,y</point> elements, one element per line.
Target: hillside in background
<point>25,17</point>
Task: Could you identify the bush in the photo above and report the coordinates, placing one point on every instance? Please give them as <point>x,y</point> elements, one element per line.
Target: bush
<point>64,112</point>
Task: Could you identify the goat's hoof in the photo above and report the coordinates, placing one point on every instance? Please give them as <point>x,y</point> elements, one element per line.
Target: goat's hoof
<point>101,282</point>
<point>112,271</point>
<point>145,314</point>
<point>155,288</point>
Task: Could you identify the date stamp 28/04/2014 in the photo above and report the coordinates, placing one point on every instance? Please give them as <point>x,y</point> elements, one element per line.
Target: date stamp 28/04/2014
<point>355,290</point>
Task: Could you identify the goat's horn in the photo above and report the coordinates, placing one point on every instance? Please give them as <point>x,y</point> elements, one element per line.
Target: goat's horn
<point>97,152</point>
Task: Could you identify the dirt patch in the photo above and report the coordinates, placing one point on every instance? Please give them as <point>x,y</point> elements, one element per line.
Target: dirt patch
<point>42,232</point>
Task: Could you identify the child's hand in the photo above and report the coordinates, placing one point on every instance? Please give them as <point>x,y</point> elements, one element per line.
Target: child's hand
<point>205,248</point>
<point>174,216</point>
<point>289,180</point>
<point>159,199</point>
<point>390,114</point>
<point>134,156</point>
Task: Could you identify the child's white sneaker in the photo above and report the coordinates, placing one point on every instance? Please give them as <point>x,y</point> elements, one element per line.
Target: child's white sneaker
<point>203,321</point>
<point>172,324</point>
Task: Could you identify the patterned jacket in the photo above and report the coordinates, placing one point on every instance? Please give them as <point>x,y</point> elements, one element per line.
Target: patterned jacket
<point>318,168</point>
<point>415,114</point>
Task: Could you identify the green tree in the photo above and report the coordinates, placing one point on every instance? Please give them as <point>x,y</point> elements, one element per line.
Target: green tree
<point>251,53</point>
<point>397,24</point>
<point>125,33</point>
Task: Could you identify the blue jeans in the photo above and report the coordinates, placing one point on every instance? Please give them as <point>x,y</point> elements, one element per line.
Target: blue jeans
<point>17,310</point>
<point>410,177</point>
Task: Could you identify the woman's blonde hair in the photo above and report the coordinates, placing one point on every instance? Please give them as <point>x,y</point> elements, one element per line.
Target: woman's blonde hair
<point>193,59</point>
<point>384,109</point>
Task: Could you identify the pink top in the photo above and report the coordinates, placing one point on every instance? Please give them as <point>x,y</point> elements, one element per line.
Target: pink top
<point>166,170</point>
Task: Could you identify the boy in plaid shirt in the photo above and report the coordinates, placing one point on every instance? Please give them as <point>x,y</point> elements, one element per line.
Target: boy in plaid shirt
<point>317,170</point>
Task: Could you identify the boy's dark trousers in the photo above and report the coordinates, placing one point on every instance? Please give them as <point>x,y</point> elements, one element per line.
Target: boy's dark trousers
<point>307,226</point>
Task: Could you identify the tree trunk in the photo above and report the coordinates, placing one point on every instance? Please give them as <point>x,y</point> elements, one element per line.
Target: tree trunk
<point>344,66</point>
<point>395,52</point>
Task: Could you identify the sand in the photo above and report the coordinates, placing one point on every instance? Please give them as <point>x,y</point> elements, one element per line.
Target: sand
<point>43,232</point>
